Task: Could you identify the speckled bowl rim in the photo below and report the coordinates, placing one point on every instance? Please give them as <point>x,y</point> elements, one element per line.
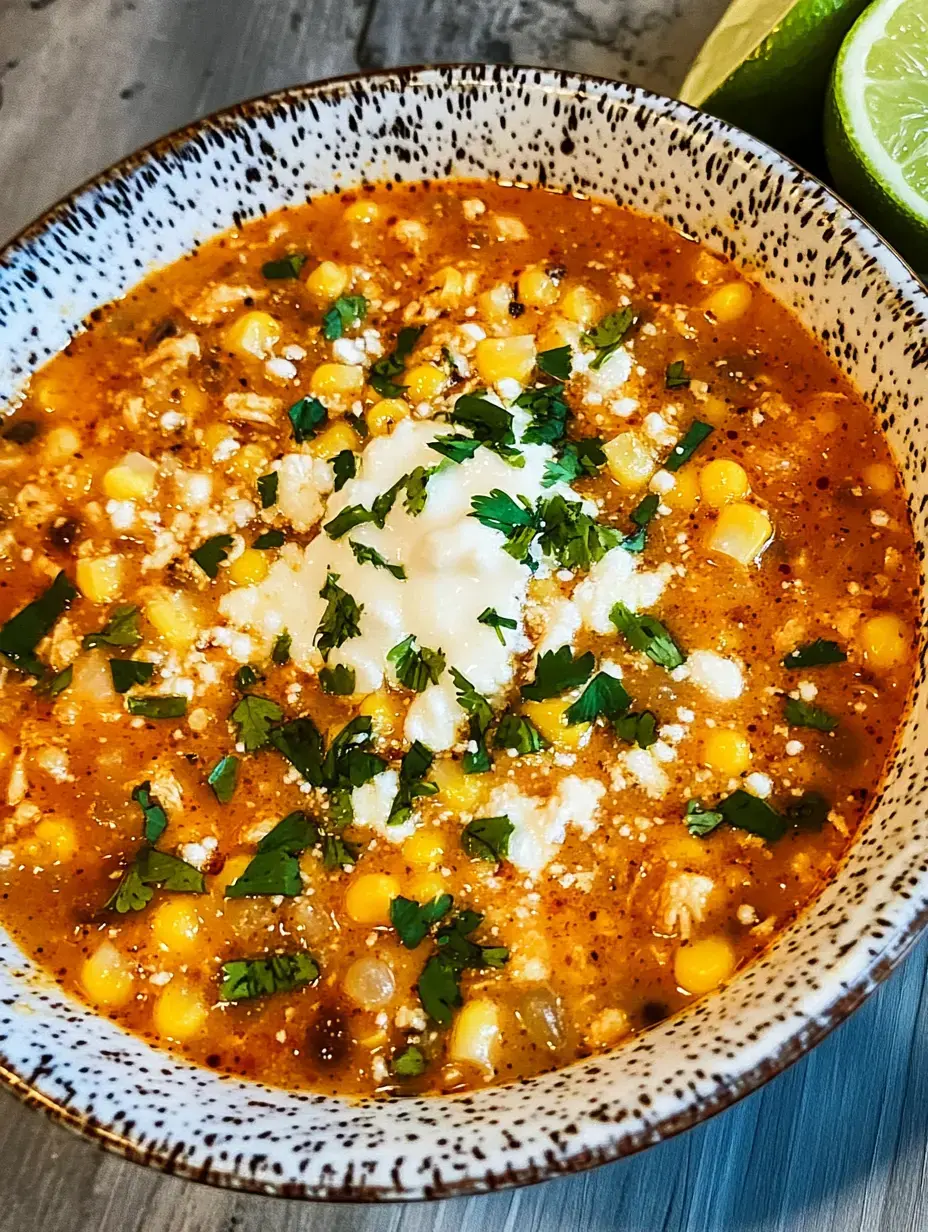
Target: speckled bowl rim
<point>624,1143</point>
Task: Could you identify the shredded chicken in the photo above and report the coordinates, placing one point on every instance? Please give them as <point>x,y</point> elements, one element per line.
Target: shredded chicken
<point>683,901</point>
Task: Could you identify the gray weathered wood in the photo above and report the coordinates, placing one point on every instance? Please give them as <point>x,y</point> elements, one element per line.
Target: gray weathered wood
<point>838,1142</point>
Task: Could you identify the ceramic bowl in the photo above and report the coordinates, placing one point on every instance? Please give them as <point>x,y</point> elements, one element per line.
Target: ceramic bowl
<point>709,181</point>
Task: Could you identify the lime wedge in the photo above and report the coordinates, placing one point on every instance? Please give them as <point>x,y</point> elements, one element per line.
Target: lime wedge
<point>876,123</point>
<point>765,68</point>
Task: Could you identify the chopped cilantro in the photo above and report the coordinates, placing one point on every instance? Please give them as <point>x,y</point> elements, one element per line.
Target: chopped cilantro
<point>344,467</point>
<point>122,629</point>
<point>154,818</point>
<point>809,812</point>
<point>269,539</point>
<point>604,696</point>
<point>676,376</point>
<point>491,617</point>
<point>23,632</point>
<point>416,764</point>
<point>154,868</point>
<point>347,519</point>
<point>306,417</point>
<point>572,537</point>
<point>275,869</point>
<point>609,334</point>
<point>347,312</point>
<point>480,716</point>
<point>129,672</point>
<point>747,812</point>
<point>246,676</point>
<point>338,852</point>
<point>280,652</point>
<point>338,680</point>
<point>51,686</point>
<point>578,459</point>
<point>517,522</point>
<point>255,716</point>
<point>557,671</point>
<point>410,1063</point>
<point>819,653</point>
<point>687,445</point>
<point>800,714</point>
<point>223,778</point>
<point>519,735</point>
<point>297,740</point>
<point>211,553</point>
<point>439,990</point>
<point>383,374</point>
<point>549,414</point>
<point>284,267</point>
<point>490,424</point>
<point>416,485</point>
<point>647,634</point>
<point>416,668</point>
<point>639,727</point>
<point>455,446</point>
<point>243,979</point>
<point>267,486</point>
<point>412,920</point>
<point>641,515</point>
<point>163,706</point>
<point>701,821</point>
<point>439,984</point>
<point>340,619</point>
<point>556,362</point>
<point>366,555</point>
<point>487,838</point>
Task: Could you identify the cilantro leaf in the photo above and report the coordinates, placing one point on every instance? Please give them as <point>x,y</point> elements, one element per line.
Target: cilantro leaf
<point>687,445</point>
<point>349,762</point>
<point>20,635</point>
<point>132,894</point>
<point>456,447</point>
<point>284,267</point>
<point>340,619</point>
<point>269,872</point>
<point>517,522</point>
<point>701,821</point>
<point>337,852</point>
<point>297,740</point>
<point>364,554</point>
<point>519,734</point>
<point>646,633</point>
<point>211,553</point>
<point>641,515</point>
<point>639,727</point>
<point>122,629</point>
<point>413,768</point>
<point>162,706</point>
<point>347,312</point>
<point>416,668</point>
<point>223,778</point>
<point>609,334</point>
<point>347,519</point>
<point>487,838</point>
<point>344,467</point>
<point>383,374</point>
<point>338,680</point>
<point>280,652</point>
<point>154,868</point>
<point>269,539</point>
<point>412,920</point>
<point>51,686</point>
<point>154,818</point>
<point>267,486</point>
<point>293,834</point>
<point>416,486</point>
<point>819,653</point>
<point>549,414</point>
<point>490,424</point>
<point>306,418</point>
<point>556,362</point>
<point>557,671</point>
<point>676,376</point>
<point>480,716</point>
<point>604,696</point>
<point>129,672</point>
<point>439,984</point>
<point>246,676</point>
<point>410,1063</point>
<point>578,459</point>
<point>809,812</point>
<point>572,537</point>
<point>800,714</point>
<point>244,979</point>
<point>491,617</point>
<point>747,812</point>
<point>255,715</point>
<point>439,990</point>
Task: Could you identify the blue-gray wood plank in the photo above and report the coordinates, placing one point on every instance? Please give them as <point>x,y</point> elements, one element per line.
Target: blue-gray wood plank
<point>835,1144</point>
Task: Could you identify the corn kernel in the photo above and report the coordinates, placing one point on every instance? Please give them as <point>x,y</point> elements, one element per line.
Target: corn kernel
<point>51,842</point>
<point>885,640</point>
<point>60,445</point>
<point>328,280</point>
<point>362,212</point>
<point>179,1012</point>
<point>741,532</point>
<point>630,459</point>
<point>456,789</point>
<point>107,977</point>
<point>175,926</point>
<point>687,851</point>
<point>337,381</point>
<point>424,847</point>
<point>729,303</point>
<point>500,359</point>
<point>248,462</point>
<point>255,334</point>
<point>131,479</point>
<point>582,305</point>
<point>721,481</point>
<point>231,870</point>
<point>703,965</point>
<point>383,416</point>
<point>174,617</point>
<point>424,382</point>
<point>192,399</point>
<point>879,477</point>
<point>536,289</point>
<point>216,434</point>
<point>684,495</point>
<point>425,886</point>
<point>448,286</point>
<point>334,439</point>
<point>386,713</point>
<point>726,751</point>
<point>476,1034</point>
<point>714,410</point>
<point>548,717</point>
<point>494,304</point>
<point>99,577</point>
<point>368,898</point>
<point>249,569</point>
<point>558,333</point>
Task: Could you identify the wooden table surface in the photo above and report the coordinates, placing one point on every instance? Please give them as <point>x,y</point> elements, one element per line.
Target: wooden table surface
<point>836,1143</point>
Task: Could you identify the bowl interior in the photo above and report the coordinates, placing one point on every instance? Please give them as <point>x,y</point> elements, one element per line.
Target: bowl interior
<point>717,185</point>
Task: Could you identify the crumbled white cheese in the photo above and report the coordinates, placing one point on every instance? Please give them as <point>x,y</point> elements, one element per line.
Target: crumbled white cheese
<point>302,481</point>
<point>604,384</point>
<point>541,825</point>
<point>618,576</point>
<point>721,678</point>
<point>645,770</point>
<point>562,621</point>
<point>121,514</point>
<point>662,482</point>
<point>658,429</point>
<point>280,369</point>
<point>758,784</point>
<point>349,351</point>
<point>198,854</point>
<point>372,803</point>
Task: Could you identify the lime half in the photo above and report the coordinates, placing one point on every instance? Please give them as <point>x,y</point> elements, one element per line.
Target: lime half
<point>876,126</point>
<point>765,68</point>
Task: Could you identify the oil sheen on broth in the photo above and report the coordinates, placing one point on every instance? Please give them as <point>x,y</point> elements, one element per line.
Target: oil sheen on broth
<point>467,624</point>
